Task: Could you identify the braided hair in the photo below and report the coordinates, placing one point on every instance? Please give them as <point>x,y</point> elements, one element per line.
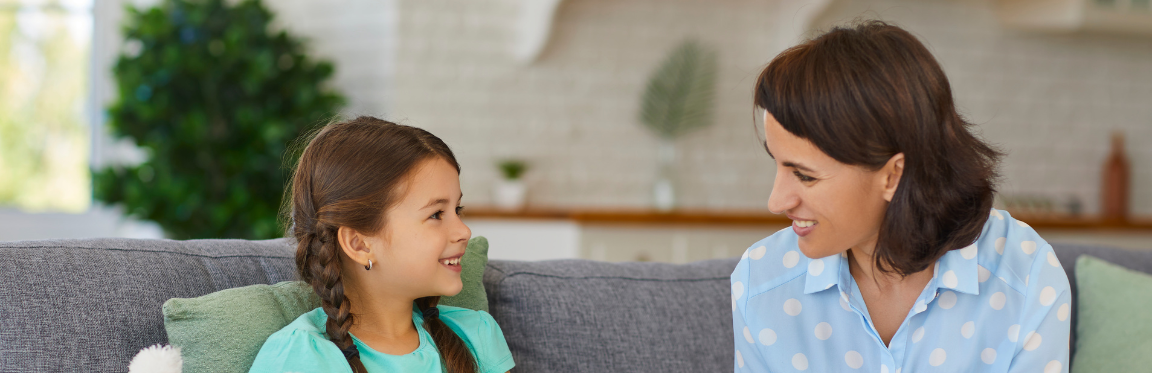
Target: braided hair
<point>345,177</point>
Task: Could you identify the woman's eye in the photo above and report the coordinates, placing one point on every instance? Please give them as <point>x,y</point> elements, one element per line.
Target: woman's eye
<point>803,177</point>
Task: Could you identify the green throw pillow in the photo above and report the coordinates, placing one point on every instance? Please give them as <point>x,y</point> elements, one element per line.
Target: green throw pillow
<point>1114,325</point>
<point>223,331</point>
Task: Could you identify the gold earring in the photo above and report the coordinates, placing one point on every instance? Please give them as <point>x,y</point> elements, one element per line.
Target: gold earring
<point>369,266</point>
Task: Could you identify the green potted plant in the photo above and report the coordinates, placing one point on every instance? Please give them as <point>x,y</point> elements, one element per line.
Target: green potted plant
<point>510,191</point>
<point>678,99</point>
<point>214,97</point>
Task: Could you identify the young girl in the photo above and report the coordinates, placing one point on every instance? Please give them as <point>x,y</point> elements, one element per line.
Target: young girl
<point>375,212</point>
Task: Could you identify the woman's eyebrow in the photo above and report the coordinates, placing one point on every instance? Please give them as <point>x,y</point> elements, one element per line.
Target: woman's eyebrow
<point>797,166</point>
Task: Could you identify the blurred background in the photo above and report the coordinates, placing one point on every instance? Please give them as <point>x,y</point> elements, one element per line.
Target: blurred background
<point>602,129</point>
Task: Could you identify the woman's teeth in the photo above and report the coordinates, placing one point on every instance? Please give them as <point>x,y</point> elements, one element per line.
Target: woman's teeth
<point>805,223</point>
<point>451,261</point>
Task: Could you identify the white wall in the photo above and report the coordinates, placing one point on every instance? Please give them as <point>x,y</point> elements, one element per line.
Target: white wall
<point>1049,101</point>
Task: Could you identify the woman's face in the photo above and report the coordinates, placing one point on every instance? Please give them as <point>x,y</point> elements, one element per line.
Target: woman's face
<point>833,206</point>
<point>417,252</point>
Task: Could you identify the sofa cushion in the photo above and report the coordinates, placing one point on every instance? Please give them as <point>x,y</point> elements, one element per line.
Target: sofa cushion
<point>222,332</point>
<point>586,316</point>
<point>90,305</point>
<point>1115,321</point>
<point>1138,260</point>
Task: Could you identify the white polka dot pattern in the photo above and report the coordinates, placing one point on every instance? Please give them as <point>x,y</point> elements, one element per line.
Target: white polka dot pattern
<point>791,258</point>
<point>786,316</point>
<point>800,362</point>
<point>947,300</point>
<point>792,307</point>
<point>854,359</point>
<point>816,267</point>
<point>988,356</point>
<point>757,253</point>
<point>938,357</point>
<point>767,337</point>
<point>823,331</point>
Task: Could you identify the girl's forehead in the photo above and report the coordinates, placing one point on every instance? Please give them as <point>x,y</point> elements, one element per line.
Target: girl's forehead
<point>431,180</point>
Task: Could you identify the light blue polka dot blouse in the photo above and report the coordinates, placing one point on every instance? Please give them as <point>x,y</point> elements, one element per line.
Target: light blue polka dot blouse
<point>999,305</point>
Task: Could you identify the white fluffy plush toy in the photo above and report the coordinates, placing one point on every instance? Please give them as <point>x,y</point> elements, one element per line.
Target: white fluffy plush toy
<point>157,359</point>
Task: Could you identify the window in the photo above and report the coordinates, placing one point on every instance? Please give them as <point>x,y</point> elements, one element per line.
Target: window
<point>44,82</point>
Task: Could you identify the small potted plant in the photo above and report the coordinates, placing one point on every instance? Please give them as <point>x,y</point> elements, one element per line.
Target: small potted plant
<point>510,190</point>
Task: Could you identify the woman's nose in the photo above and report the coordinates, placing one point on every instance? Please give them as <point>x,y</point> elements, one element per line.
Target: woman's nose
<point>782,198</point>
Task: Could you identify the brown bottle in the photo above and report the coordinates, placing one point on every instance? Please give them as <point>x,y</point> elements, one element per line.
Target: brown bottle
<point>1114,187</point>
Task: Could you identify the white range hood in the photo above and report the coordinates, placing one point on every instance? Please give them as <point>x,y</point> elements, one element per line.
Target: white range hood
<point>1129,17</point>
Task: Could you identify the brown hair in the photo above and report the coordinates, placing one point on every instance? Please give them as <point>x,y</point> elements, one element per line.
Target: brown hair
<point>348,176</point>
<point>863,94</point>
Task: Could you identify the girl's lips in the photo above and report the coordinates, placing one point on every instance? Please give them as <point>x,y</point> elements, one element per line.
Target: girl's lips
<point>455,263</point>
<point>803,231</point>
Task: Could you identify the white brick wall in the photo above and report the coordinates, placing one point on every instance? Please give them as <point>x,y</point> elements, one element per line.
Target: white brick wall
<point>573,113</point>
<point>1048,100</point>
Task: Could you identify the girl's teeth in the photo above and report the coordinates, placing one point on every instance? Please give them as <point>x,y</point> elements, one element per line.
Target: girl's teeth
<point>805,223</point>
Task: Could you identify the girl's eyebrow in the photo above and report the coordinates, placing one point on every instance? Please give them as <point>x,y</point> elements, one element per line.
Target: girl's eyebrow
<point>439,201</point>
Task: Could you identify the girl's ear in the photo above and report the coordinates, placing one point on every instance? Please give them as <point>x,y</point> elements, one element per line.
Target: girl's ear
<point>354,244</point>
<point>891,174</point>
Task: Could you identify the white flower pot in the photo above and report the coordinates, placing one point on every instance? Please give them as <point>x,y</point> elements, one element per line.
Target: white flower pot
<point>510,194</point>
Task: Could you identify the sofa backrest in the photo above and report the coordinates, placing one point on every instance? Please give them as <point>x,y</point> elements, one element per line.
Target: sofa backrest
<point>91,305</point>
<point>587,316</point>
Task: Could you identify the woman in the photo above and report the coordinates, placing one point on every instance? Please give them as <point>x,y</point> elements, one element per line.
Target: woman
<point>895,261</point>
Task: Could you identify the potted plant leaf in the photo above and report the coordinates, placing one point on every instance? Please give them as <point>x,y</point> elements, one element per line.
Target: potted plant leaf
<point>510,191</point>
<point>679,98</point>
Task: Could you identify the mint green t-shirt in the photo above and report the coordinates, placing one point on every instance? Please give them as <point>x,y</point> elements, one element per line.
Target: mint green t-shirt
<point>303,346</point>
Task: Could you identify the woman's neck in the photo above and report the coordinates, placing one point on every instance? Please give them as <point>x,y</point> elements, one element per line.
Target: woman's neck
<point>862,264</point>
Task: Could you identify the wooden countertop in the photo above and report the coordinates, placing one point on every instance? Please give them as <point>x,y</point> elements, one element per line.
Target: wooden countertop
<point>758,218</point>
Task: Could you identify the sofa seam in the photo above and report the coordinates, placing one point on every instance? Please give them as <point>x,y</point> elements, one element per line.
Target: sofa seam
<point>614,277</point>
<point>151,251</point>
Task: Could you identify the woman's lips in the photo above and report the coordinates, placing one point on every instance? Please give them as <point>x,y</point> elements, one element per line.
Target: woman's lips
<point>803,227</point>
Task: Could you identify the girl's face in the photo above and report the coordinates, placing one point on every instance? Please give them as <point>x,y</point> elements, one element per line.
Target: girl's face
<point>833,206</point>
<point>417,253</point>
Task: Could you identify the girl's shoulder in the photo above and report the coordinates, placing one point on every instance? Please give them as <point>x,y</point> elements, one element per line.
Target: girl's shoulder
<point>472,325</point>
<point>482,335</point>
<point>300,346</point>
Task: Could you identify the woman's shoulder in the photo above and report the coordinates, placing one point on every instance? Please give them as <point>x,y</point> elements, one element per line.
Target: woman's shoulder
<point>1013,252</point>
<point>300,346</point>
<point>769,264</point>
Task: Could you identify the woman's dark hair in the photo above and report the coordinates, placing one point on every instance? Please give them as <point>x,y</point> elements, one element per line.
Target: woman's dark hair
<point>347,176</point>
<point>863,94</point>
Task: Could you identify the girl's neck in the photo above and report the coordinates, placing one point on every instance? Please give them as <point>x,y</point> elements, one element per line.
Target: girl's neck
<point>384,318</point>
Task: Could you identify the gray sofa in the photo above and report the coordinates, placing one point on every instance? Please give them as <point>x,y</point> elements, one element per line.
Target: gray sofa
<point>90,305</point>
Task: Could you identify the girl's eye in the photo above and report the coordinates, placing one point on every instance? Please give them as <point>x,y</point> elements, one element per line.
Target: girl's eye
<point>803,177</point>
<point>436,215</point>
<point>459,210</point>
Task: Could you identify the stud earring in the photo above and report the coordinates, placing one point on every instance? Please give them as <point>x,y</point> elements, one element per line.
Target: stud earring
<point>369,266</point>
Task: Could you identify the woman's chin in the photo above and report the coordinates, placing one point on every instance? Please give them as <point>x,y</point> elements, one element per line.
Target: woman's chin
<point>814,250</point>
